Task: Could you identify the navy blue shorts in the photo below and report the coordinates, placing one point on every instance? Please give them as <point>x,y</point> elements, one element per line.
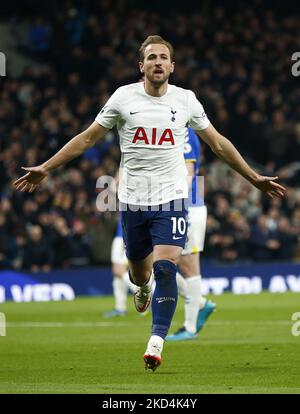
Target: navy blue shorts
<point>145,228</point>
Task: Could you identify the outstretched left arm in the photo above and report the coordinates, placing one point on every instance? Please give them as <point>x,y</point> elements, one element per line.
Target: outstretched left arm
<point>227,152</point>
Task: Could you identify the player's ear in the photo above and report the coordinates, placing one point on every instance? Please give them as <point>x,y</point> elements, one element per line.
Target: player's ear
<point>172,67</point>
<point>141,67</point>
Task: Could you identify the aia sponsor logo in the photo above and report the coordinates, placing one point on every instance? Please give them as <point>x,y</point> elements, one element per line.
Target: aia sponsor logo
<point>153,136</point>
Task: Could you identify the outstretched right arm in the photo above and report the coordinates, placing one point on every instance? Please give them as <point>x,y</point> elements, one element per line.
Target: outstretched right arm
<point>75,147</point>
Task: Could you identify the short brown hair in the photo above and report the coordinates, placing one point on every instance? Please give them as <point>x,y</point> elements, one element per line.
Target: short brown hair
<point>155,39</point>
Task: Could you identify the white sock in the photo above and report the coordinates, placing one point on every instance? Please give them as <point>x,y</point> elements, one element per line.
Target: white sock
<point>203,300</point>
<point>182,286</point>
<point>191,306</point>
<point>120,291</point>
<point>131,286</point>
<point>155,345</point>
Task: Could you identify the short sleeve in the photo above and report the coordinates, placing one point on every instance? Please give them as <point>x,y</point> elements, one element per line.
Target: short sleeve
<point>110,113</point>
<point>189,150</point>
<point>197,116</point>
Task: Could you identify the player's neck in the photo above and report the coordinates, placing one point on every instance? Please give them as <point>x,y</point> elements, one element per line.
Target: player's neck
<point>155,90</point>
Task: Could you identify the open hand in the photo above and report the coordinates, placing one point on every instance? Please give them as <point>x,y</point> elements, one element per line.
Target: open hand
<point>269,186</point>
<point>31,179</point>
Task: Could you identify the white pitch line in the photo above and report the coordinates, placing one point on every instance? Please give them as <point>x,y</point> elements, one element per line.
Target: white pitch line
<point>247,322</point>
<point>125,324</point>
<point>64,325</point>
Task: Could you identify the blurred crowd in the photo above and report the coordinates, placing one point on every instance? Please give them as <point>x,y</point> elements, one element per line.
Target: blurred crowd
<point>237,61</point>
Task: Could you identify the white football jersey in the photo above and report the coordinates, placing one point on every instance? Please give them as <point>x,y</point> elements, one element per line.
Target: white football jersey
<point>152,133</point>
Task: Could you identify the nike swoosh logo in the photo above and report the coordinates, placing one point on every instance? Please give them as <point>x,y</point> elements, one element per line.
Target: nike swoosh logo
<point>177,238</point>
<point>132,113</point>
<point>164,299</point>
<point>203,115</point>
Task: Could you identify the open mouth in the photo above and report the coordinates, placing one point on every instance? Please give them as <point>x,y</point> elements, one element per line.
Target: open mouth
<point>158,71</point>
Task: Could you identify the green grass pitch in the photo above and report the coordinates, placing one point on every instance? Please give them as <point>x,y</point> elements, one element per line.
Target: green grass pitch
<point>68,347</point>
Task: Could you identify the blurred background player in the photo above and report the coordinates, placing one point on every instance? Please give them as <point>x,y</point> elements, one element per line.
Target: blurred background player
<point>197,308</point>
<point>121,283</point>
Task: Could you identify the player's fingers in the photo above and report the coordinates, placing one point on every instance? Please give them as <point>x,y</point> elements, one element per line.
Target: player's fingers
<point>23,187</point>
<point>280,193</point>
<point>20,185</point>
<point>277,193</point>
<point>28,187</point>
<point>17,186</point>
<point>32,188</point>
<point>21,179</point>
<point>270,178</point>
<point>270,194</point>
<point>278,186</point>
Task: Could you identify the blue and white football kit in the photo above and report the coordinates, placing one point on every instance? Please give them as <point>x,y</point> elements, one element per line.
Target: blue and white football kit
<point>197,211</point>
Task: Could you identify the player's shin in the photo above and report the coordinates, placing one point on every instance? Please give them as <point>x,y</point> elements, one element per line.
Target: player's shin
<point>164,299</point>
<point>181,284</point>
<point>193,304</point>
<point>120,293</point>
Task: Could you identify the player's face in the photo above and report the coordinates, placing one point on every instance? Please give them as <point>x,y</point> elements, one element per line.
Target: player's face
<point>157,64</point>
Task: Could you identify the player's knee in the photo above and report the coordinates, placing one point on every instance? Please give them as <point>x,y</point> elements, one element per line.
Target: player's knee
<point>171,256</point>
<point>164,270</point>
<point>170,253</point>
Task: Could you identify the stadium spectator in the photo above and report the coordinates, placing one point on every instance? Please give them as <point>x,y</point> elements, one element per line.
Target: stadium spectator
<point>264,240</point>
<point>80,245</point>
<point>4,243</point>
<point>39,255</point>
<point>288,238</point>
<point>59,237</point>
<point>40,37</point>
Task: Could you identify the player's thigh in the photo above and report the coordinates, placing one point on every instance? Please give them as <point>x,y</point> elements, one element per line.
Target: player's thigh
<point>136,235</point>
<point>189,265</point>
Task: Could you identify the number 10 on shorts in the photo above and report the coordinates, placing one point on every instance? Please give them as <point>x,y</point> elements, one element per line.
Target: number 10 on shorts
<point>179,225</point>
